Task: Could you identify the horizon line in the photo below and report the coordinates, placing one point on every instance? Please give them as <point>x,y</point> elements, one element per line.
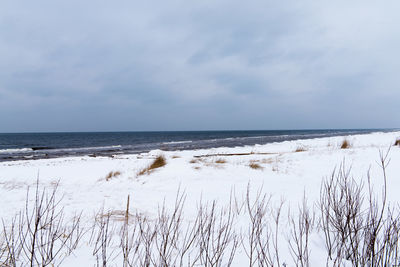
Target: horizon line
<point>160,131</point>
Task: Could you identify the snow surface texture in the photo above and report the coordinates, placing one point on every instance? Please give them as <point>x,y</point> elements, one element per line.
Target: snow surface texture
<point>206,175</point>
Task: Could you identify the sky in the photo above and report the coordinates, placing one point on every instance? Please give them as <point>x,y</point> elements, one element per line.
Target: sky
<point>121,65</point>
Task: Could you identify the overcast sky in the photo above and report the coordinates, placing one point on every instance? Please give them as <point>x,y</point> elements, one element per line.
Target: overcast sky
<point>198,65</point>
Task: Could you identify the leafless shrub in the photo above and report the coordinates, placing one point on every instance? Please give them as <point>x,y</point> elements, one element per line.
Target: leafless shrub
<point>268,251</point>
<point>354,230</point>
<point>76,235</point>
<point>162,242</point>
<point>175,242</point>
<point>217,239</point>
<point>301,228</point>
<point>261,242</point>
<point>256,211</point>
<point>388,242</point>
<point>125,244</point>
<point>9,244</point>
<point>39,235</point>
<point>140,242</point>
<point>168,226</point>
<point>188,252</point>
<point>340,205</point>
<point>341,201</point>
<point>136,240</point>
<point>101,239</point>
<point>3,248</point>
<point>378,248</point>
<point>129,237</point>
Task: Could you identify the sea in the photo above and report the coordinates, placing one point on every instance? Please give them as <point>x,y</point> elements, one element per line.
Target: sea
<point>28,146</point>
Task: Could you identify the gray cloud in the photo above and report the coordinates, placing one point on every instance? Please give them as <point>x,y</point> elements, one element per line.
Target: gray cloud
<point>130,65</point>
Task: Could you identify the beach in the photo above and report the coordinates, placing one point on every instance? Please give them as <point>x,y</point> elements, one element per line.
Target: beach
<point>284,171</point>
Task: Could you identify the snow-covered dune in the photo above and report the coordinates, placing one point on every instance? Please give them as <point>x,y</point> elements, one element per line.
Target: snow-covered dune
<point>286,171</point>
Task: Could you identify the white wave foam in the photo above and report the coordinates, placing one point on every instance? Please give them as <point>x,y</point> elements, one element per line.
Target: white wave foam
<point>83,149</point>
<point>176,142</point>
<point>15,150</point>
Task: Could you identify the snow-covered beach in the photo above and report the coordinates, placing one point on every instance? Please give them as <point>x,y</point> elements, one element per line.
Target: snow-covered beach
<point>284,171</point>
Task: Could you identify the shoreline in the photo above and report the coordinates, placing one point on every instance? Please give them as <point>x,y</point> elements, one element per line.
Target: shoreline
<point>67,145</point>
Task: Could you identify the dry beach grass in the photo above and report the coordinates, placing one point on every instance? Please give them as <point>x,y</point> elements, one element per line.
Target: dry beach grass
<point>159,162</point>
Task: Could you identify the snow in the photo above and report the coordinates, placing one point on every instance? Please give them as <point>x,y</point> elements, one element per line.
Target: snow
<point>285,175</point>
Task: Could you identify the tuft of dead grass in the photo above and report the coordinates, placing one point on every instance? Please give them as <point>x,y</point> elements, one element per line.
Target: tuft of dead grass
<point>115,215</point>
<point>345,144</point>
<point>112,174</point>
<point>159,162</point>
<point>233,154</point>
<point>397,143</point>
<point>220,161</point>
<point>268,161</point>
<point>255,166</point>
<point>300,149</point>
<point>193,161</point>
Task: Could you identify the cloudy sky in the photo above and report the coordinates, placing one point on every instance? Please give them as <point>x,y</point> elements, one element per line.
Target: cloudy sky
<point>98,65</point>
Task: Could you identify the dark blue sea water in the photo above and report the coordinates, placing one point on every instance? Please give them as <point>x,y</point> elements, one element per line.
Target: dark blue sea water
<point>18,146</point>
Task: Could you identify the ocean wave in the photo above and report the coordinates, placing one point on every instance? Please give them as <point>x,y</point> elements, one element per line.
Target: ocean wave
<point>262,136</point>
<point>80,149</point>
<point>176,142</point>
<point>244,138</point>
<point>15,150</point>
<point>56,150</point>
